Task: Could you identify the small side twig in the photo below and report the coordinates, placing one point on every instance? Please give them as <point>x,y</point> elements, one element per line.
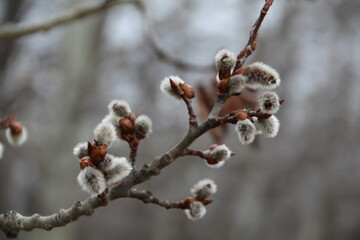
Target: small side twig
<point>160,52</point>
<point>147,197</point>
<point>192,115</point>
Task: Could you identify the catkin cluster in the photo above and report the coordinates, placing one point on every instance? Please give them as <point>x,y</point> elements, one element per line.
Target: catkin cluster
<point>99,169</point>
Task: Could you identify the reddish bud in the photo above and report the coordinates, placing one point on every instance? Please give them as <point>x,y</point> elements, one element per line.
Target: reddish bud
<point>97,153</point>
<point>16,128</point>
<point>126,126</point>
<point>241,115</point>
<point>132,117</point>
<point>223,85</point>
<point>86,162</point>
<point>281,101</point>
<point>188,90</point>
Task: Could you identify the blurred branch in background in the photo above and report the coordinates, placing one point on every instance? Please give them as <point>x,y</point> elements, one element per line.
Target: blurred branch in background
<point>11,30</point>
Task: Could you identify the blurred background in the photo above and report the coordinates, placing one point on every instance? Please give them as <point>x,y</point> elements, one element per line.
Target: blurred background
<point>304,184</point>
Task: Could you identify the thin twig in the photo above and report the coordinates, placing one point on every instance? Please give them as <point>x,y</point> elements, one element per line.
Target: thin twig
<point>15,30</point>
<point>162,53</point>
<point>242,56</point>
<point>147,197</point>
<point>251,44</point>
<point>192,116</point>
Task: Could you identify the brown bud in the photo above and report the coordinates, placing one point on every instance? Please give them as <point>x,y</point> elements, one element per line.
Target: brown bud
<point>206,202</point>
<point>98,153</point>
<point>223,85</point>
<point>132,117</point>
<point>188,90</point>
<point>86,162</point>
<point>281,101</point>
<point>188,201</point>
<point>174,86</point>
<point>126,126</point>
<point>241,115</point>
<point>16,128</point>
<point>261,115</point>
<point>126,137</point>
<point>211,161</point>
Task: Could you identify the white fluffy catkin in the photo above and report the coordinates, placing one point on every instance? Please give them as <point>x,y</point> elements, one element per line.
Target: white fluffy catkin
<point>166,88</point>
<point>92,180</point>
<point>221,153</point>
<point>246,131</point>
<point>81,150</point>
<point>119,108</point>
<point>16,140</point>
<point>260,75</point>
<point>269,103</point>
<point>204,189</point>
<point>224,60</point>
<point>196,211</point>
<point>236,84</point>
<point>269,127</point>
<point>104,133</point>
<point>143,125</point>
<point>115,168</point>
<point>111,118</point>
<point>1,150</point>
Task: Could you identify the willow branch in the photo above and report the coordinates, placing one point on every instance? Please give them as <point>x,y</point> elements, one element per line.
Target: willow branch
<point>147,197</point>
<point>192,116</point>
<point>17,30</point>
<point>251,44</point>
<point>242,56</point>
<point>162,53</point>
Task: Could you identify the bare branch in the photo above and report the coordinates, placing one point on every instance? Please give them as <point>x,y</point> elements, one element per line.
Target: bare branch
<point>251,44</point>
<point>14,30</point>
<point>163,54</point>
<point>147,197</point>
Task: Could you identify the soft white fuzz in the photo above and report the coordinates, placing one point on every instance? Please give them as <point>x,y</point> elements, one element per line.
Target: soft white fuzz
<point>246,131</point>
<point>204,189</point>
<point>236,84</point>
<point>260,75</point>
<point>143,125</point>
<point>91,180</point>
<point>16,140</point>
<point>269,127</point>
<point>115,168</point>
<point>196,211</point>
<point>119,108</point>
<point>104,133</point>
<point>81,150</point>
<point>269,103</point>
<point>224,60</point>
<point>166,88</point>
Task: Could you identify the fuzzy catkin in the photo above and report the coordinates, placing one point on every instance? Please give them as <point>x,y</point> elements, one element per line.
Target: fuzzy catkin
<point>81,150</point>
<point>260,75</point>
<point>143,125</point>
<point>115,168</point>
<point>196,211</point>
<point>204,189</point>
<point>224,60</point>
<point>236,84</point>
<point>268,127</point>
<point>16,140</point>
<point>166,88</point>
<point>246,131</point>
<point>269,103</point>
<point>119,108</point>
<point>92,180</point>
<point>104,133</point>
<point>220,153</point>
